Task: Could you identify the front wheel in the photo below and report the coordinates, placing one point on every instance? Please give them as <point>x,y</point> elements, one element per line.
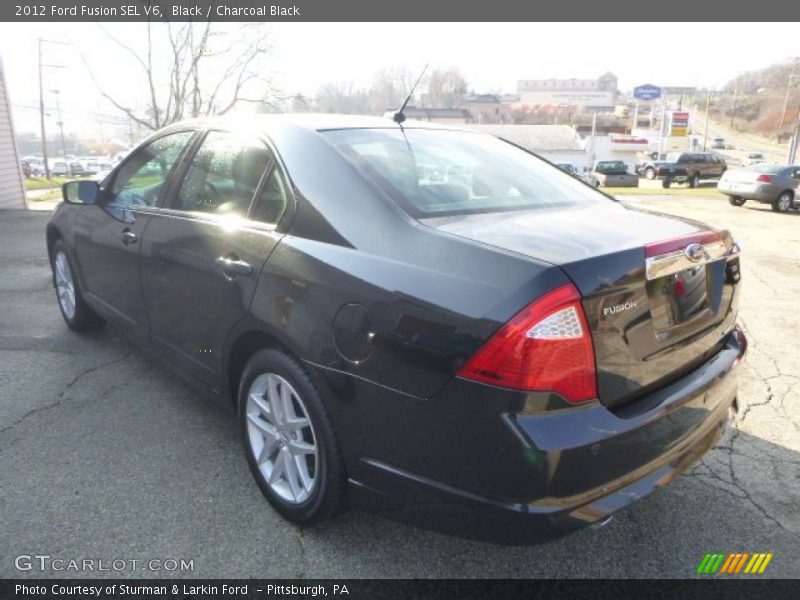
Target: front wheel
<point>77,314</point>
<point>736,200</point>
<point>650,173</point>
<point>666,183</point>
<point>783,202</point>
<point>288,439</point>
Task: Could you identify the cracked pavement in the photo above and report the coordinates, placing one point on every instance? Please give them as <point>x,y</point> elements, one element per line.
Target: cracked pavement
<point>104,454</point>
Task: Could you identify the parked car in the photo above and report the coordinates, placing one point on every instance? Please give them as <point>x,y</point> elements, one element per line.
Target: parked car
<point>754,158</point>
<point>776,185</point>
<point>682,167</point>
<point>25,167</point>
<point>58,168</point>
<point>568,168</point>
<point>90,166</point>
<point>520,345</point>
<point>718,143</point>
<point>36,164</point>
<point>77,168</point>
<point>611,173</point>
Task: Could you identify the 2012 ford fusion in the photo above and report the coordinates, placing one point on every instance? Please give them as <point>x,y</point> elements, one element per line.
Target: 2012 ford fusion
<point>412,315</point>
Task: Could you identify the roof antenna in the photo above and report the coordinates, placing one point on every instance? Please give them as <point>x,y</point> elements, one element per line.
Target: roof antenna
<point>399,117</point>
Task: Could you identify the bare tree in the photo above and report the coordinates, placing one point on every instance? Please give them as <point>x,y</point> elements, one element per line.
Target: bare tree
<point>192,70</point>
<point>342,97</point>
<point>447,88</point>
<point>389,88</point>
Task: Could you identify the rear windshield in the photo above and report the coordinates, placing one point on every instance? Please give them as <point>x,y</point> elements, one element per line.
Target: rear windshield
<point>762,168</point>
<point>437,172</point>
<point>610,165</point>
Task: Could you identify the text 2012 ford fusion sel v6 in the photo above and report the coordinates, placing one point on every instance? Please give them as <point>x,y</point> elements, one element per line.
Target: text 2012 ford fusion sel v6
<point>413,316</point>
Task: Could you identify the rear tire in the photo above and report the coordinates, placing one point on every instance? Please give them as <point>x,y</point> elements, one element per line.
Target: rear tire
<point>77,314</point>
<point>666,183</point>
<point>291,449</point>
<point>736,200</point>
<point>783,202</point>
<point>650,173</point>
<point>694,182</point>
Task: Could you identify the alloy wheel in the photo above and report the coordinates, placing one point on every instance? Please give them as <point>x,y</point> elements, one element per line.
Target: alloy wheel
<point>65,285</point>
<point>282,438</point>
<point>784,202</point>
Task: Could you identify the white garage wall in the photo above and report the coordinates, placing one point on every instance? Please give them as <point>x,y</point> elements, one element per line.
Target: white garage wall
<point>12,191</point>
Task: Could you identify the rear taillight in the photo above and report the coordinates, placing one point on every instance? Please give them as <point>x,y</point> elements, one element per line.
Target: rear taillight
<point>764,178</point>
<point>680,243</point>
<point>547,346</point>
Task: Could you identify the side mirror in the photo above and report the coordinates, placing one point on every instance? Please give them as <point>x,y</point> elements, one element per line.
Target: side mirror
<point>81,192</point>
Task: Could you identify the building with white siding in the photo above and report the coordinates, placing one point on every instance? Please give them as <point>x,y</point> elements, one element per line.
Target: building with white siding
<point>12,188</point>
<point>581,93</point>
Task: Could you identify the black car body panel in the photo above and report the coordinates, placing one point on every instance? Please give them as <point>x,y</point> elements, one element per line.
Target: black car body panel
<point>383,309</point>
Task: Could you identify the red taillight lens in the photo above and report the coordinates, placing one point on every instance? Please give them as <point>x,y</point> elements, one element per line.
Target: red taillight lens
<point>679,243</point>
<point>765,178</point>
<point>545,347</point>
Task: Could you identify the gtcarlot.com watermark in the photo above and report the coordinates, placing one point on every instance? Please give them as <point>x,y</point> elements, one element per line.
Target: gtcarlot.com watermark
<point>46,562</point>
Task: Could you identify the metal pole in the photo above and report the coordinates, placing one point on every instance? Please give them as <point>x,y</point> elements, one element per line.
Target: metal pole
<point>705,130</point>
<point>786,99</point>
<point>41,115</point>
<point>785,107</point>
<point>661,129</point>
<point>635,116</point>
<point>735,93</point>
<point>793,153</point>
<point>60,124</point>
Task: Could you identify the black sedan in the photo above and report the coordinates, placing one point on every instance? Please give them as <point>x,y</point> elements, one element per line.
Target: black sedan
<point>501,338</point>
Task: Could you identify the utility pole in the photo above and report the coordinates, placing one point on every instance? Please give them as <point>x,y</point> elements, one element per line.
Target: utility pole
<point>735,93</point>
<point>41,115</point>
<point>786,102</point>
<point>60,124</point>
<point>705,129</point>
<point>41,101</point>
<point>795,140</point>
<point>662,129</point>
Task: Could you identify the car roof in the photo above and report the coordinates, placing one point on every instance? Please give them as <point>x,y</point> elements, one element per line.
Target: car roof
<point>308,121</point>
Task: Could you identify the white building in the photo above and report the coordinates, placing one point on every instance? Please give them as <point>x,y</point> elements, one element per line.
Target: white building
<point>583,93</point>
<point>562,144</point>
<point>556,143</point>
<point>12,189</point>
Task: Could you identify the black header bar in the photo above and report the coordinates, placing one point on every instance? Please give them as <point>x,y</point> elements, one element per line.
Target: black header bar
<point>400,11</point>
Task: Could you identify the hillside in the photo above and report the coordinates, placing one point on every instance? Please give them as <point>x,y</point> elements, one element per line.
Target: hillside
<point>759,101</point>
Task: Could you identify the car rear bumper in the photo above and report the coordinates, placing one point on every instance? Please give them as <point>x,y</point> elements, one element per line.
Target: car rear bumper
<point>749,191</point>
<point>542,475</point>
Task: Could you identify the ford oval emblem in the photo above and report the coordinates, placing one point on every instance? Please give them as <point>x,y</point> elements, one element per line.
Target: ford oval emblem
<point>694,252</point>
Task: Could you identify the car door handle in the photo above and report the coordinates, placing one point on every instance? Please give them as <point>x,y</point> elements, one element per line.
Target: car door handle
<point>128,237</point>
<point>233,267</point>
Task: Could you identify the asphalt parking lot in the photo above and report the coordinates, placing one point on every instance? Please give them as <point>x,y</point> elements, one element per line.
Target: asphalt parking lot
<point>106,455</point>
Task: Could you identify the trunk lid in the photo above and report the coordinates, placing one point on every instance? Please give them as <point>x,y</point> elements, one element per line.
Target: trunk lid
<point>741,176</point>
<point>652,318</point>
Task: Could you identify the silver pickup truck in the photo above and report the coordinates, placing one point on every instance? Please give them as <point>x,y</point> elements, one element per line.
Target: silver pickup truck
<point>611,173</point>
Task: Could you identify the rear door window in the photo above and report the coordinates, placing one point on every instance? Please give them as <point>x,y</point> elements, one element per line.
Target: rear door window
<point>272,200</point>
<point>223,175</point>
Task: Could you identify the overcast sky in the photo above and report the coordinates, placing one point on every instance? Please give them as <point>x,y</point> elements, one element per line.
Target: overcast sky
<point>491,56</point>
